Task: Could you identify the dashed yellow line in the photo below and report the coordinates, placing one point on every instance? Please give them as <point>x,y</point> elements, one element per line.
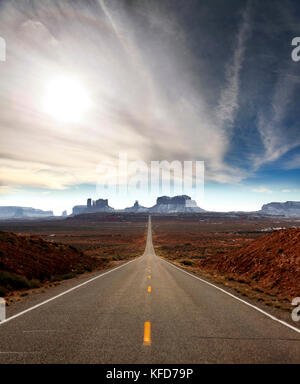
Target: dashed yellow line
<point>149,288</point>
<point>147,333</point>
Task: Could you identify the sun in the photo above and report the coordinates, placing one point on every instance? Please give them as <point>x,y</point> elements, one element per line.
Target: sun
<point>66,99</point>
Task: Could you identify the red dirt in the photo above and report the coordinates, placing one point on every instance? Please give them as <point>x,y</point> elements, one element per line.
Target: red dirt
<point>272,262</point>
<point>36,258</point>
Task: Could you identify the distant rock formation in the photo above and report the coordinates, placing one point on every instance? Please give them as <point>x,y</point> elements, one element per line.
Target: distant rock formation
<point>136,208</point>
<point>23,212</point>
<point>176,204</point>
<point>289,209</point>
<point>164,204</point>
<point>100,205</point>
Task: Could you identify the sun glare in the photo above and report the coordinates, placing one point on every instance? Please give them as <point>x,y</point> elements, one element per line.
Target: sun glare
<point>66,99</point>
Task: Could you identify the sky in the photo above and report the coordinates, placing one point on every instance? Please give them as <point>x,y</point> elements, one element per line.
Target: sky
<point>175,80</point>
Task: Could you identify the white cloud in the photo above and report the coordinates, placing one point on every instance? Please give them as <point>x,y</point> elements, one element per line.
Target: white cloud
<point>293,163</point>
<point>229,100</point>
<point>272,129</point>
<point>144,95</point>
<point>262,190</point>
<point>5,189</point>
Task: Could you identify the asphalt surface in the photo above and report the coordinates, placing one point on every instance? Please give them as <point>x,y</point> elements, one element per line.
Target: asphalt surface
<point>117,318</point>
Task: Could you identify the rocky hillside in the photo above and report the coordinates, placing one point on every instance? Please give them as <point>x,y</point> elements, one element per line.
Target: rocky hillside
<point>23,212</point>
<point>27,258</point>
<point>288,209</point>
<point>272,262</point>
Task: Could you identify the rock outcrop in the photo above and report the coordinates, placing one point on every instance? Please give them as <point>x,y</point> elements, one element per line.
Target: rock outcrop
<point>289,209</point>
<point>100,205</point>
<point>136,208</point>
<point>176,204</point>
<point>164,204</point>
<point>23,212</point>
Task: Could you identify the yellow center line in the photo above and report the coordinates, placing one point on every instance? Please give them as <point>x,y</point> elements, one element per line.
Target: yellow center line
<point>149,288</point>
<point>147,333</point>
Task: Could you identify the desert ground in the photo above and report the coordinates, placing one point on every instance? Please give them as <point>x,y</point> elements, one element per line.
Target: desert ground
<point>111,316</point>
<point>35,255</point>
<point>254,256</point>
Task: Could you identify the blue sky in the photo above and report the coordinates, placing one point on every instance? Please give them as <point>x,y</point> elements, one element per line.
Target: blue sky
<point>160,80</point>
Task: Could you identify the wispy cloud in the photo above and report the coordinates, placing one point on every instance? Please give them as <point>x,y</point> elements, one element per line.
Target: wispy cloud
<point>137,70</point>
<point>229,100</point>
<point>273,127</point>
<point>228,104</point>
<point>159,89</point>
<point>5,189</point>
<point>262,190</point>
<point>293,163</point>
<point>276,117</point>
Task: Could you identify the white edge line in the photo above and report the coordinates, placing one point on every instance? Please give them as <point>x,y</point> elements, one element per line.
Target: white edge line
<point>65,292</point>
<point>235,297</point>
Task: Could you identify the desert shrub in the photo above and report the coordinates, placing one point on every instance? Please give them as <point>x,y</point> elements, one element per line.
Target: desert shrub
<point>68,276</point>
<point>258,290</point>
<point>2,235</point>
<point>3,291</point>
<point>11,240</point>
<point>62,277</point>
<point>197,257</point>
<point>13,280</point>
<point>186,262</point>
<point>34,283</point>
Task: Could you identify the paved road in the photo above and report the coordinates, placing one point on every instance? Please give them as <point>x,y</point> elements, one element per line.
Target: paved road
<point>117,319</point>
